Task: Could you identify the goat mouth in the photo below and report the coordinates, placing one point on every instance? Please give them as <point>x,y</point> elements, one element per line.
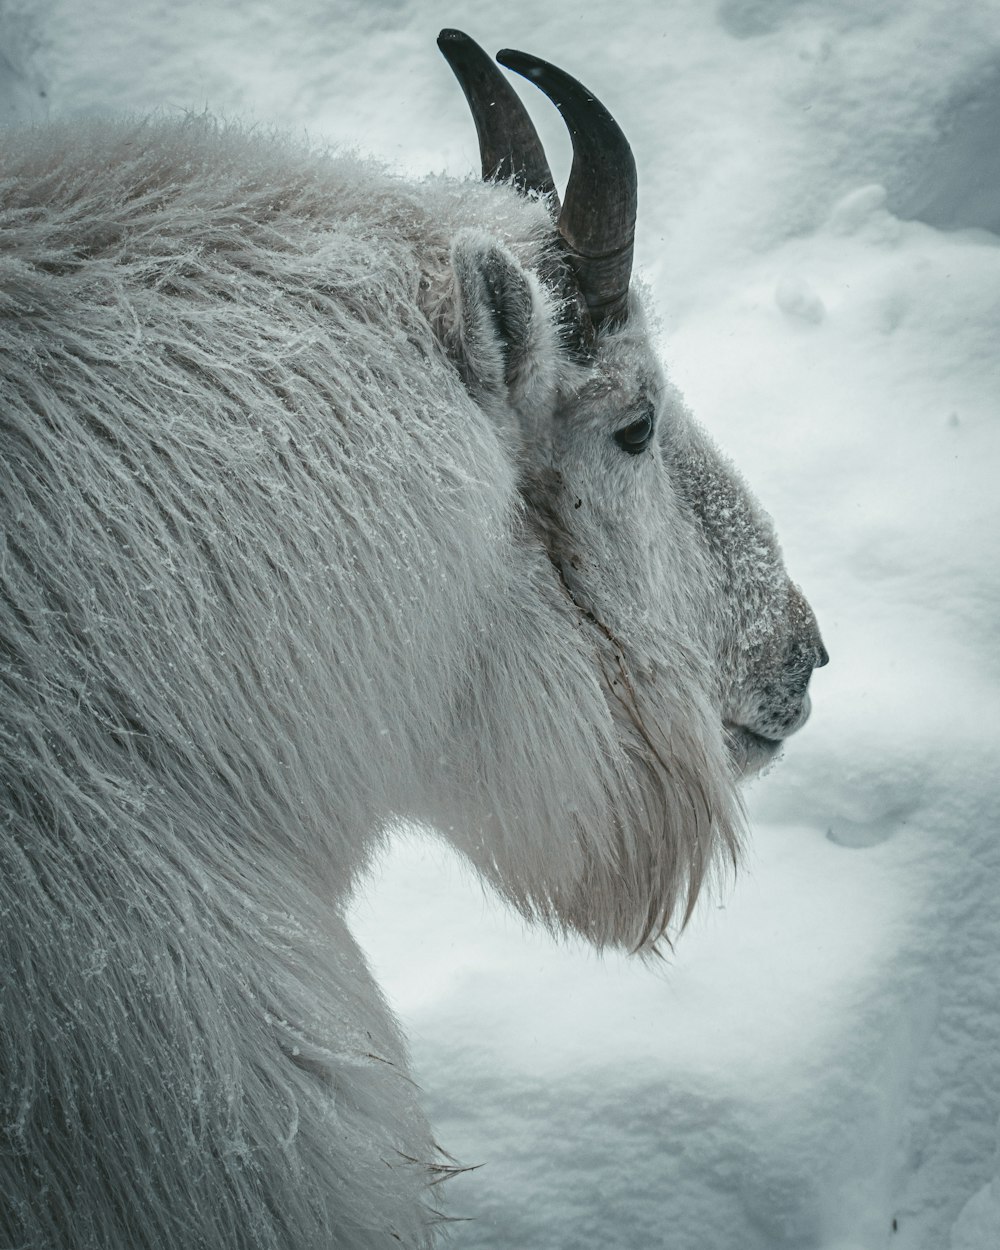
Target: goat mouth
<point>753,736</point>
<point>750,751</point>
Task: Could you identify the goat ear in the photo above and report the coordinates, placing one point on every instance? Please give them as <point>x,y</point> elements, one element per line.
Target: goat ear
<point>508,342</point>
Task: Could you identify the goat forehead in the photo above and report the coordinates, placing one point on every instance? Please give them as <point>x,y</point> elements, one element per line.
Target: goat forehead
<point>614,387</point>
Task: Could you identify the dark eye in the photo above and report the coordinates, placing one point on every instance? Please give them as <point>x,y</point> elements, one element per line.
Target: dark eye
<point>635,438</point>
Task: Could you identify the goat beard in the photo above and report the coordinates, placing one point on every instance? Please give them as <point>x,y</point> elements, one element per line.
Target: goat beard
<point>672,815</point>
<point>677,817</point>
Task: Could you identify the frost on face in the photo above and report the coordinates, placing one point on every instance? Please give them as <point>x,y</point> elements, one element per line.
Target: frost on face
<point>767,639</point>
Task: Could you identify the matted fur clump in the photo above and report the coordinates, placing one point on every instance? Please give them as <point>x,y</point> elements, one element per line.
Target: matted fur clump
<point>312,522</point>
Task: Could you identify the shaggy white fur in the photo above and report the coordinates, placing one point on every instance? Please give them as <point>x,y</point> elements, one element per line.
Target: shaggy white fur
<point>311,524</point>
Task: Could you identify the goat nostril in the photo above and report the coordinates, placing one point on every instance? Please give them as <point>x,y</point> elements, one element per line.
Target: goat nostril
<point>822,659</point>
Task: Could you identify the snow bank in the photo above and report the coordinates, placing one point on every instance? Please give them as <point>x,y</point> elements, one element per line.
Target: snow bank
<point>23,93</point>
<point>817,1067</point>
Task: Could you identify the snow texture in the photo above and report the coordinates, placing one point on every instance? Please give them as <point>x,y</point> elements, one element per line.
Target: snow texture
<point>818,1066</point>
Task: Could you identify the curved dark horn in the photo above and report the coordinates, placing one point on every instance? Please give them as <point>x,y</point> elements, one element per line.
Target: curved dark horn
<point>597,220</point>
<point>508,142</point>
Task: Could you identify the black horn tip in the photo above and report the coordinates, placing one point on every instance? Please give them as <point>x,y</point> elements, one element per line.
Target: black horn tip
<point>537,70</point>
<point>523,63</point>
<point>450,35</point>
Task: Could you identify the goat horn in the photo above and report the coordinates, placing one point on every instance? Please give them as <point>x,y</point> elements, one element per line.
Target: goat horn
<point>509,145</point>
<point>597,221</point>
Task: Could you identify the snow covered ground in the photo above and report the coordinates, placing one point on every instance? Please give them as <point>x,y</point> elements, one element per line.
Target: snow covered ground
<point>818,1065</point>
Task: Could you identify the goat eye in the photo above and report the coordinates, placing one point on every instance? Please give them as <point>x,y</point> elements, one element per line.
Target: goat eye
<point>635,438</point>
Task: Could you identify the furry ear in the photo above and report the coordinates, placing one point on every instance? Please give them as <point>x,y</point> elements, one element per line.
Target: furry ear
<point>509,344</point>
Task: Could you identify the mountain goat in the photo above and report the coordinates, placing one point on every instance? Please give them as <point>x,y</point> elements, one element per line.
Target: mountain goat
<point>331,499</point>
